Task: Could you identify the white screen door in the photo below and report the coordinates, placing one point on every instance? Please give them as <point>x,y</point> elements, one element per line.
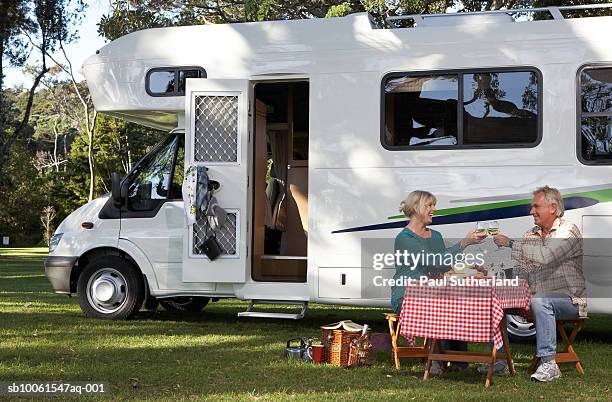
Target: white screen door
<point>217,136</point>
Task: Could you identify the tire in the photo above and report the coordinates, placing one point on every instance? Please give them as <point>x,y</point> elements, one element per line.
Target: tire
<point>191,304</point>
<point>520,329</point>
<point>110,288</point>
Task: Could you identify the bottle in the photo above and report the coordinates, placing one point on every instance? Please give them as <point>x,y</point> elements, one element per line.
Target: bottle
<point>361,347</point>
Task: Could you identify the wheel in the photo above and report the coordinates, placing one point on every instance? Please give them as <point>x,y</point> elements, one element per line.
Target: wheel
<point>110,288</point>
<point>519,328</point>
<point>191,304</point>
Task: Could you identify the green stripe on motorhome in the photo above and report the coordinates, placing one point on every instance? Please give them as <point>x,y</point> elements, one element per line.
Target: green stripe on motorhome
<point>604,195</point>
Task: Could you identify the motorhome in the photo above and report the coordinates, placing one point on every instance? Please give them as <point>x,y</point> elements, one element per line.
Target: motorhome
<point>315,130</point>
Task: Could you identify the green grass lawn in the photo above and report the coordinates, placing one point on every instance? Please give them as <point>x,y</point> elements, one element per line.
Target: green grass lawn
<point>215,355</point>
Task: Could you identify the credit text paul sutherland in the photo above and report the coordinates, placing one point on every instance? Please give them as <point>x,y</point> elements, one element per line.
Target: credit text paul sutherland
<point>446,281</point>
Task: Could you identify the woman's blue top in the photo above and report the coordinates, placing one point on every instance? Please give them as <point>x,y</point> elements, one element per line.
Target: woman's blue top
<point>414,244</point>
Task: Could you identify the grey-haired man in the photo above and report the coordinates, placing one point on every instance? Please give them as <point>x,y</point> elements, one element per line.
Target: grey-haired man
<point>549,257</point>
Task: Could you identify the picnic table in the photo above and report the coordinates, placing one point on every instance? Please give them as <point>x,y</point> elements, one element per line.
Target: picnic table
<point>464,309</point>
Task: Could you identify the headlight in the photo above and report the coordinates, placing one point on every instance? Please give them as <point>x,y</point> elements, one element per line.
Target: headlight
<point>55,241</point>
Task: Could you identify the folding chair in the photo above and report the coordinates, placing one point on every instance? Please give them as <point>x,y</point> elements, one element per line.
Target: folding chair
<point>568,354</point>
<point>419,352</point>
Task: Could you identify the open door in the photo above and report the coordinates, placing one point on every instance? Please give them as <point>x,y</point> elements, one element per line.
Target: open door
<point>217,136</point>
<point>280,180</point>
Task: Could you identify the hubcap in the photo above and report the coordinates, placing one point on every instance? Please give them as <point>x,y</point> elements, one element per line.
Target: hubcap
<point>520,327</point>
<point>107,290</point>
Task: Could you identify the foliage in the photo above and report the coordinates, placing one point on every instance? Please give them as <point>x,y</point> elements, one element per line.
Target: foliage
<point>24,197</point>
<point>339,10</point>
<point>129,16</point>
<point>35,179</point>
<point>46,24</point>
<point>13,46</point>
<point>49,165</point>
<point>117,146</point>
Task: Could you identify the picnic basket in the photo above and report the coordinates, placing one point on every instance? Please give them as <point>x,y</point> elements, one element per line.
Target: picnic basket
<point>337,339</point>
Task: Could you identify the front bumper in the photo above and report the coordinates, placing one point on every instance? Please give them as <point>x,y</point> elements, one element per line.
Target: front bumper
<point>58,270</point>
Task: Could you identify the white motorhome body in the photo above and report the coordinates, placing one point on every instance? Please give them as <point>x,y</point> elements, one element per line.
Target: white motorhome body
<point>358,167</point>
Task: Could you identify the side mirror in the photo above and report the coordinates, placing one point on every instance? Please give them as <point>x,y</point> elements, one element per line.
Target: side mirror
<point>116,188</point>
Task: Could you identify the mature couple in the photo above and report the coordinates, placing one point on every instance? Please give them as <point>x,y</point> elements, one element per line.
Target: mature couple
<point>549,257</point>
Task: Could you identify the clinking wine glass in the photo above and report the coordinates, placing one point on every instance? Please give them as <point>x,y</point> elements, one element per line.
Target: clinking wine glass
<point>481,227</point>
<point>493,229</point>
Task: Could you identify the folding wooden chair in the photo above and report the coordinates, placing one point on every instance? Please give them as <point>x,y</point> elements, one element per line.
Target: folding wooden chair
<point>568,354</point>
<point>418,352</point>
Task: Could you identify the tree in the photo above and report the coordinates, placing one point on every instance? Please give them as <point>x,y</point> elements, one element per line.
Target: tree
<point>21,206</point>
<point>13,47</point>
<point>129,15</point>
<point>45,24</point>
<point>46,219</point>
<point>55,119</point>
<point>117,146</point>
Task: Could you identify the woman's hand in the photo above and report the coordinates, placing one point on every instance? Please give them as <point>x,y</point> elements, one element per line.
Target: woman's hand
<point>473,238</point>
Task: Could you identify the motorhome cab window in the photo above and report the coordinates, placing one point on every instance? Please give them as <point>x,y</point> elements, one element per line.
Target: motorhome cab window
<point>171,81</point>
<point>150,183</point>
<point>461,109</point>
<point>595,115</point>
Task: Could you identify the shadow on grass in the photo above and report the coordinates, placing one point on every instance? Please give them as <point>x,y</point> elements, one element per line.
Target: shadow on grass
<point>216,352</point>
<point>232,367</point>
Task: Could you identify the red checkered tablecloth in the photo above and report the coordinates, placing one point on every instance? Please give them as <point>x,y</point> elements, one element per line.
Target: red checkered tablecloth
<point>463,312</point>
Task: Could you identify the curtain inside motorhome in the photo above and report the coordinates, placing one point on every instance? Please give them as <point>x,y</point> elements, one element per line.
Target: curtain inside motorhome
<point>276,189</point>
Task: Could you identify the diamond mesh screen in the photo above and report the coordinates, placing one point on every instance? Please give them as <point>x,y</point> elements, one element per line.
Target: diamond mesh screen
<point>226,235</point>
<point>216,129</point>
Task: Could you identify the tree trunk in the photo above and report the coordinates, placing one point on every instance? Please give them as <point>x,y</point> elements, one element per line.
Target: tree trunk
<point>6,146</point>
<point>55,161</point>
<point>65,151</point>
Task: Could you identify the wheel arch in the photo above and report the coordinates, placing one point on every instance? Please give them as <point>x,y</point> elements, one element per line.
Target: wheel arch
<point>98,252</point>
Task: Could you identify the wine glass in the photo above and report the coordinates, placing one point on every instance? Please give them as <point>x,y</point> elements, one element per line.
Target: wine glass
<point>481,227</point>
<point>493,228</point>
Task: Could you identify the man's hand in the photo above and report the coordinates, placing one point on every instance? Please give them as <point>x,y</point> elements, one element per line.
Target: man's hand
<point>481,269</point>
<point>501,240</point>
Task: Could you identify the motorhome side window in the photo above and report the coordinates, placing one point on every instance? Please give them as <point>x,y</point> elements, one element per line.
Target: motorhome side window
<point>170,81</point>
<point>462,109</point>
<point>150,184</point>
<point>595,115</point>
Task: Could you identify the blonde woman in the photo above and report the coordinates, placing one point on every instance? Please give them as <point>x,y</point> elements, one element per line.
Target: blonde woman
<point>417,238</point>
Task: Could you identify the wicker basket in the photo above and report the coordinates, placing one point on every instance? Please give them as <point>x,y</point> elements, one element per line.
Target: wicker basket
<point>338,345</point>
